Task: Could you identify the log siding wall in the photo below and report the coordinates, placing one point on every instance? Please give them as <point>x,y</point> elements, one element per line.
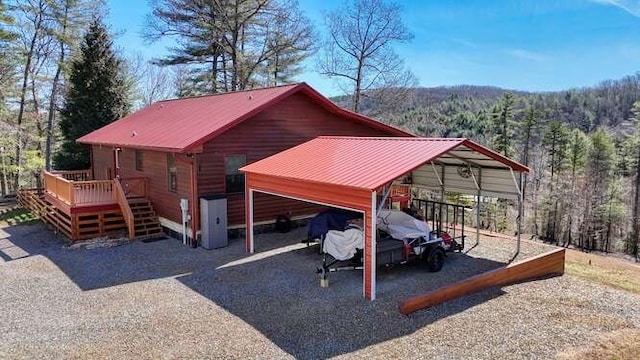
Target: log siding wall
<point>290,122</point>
<point>166,203</point>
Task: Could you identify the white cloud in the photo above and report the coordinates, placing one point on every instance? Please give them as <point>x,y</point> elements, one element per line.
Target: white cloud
<point>527,55</point>
<point>466,43</point>
<point>630,6</point>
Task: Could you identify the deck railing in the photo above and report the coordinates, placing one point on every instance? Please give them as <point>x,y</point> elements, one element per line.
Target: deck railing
<point>58,187</point>
<point>134,187</point>
<point>121,199</point>
<point>74,175</point>
<point>92,192</point>
<point>400,190</point>
<point>78,193</point>
<point>95,192</point>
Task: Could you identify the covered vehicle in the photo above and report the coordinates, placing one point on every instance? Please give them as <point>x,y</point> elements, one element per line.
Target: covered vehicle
<point>403,239</point>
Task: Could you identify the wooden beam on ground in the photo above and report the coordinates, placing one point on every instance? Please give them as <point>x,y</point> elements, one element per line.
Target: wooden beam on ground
<point>547,264</point>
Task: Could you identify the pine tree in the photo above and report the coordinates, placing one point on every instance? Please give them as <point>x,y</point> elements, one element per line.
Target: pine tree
<point>7,54</point>
<point>97,96</point>
<point>501,117</point>
<point>555,143</point>
<point>577,158</point>
<point>600,166</point>
<point>234,44</point>
<point>70,18</point>
<point>633,243</point>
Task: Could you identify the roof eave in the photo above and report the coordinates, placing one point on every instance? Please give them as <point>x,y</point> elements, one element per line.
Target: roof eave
<point>335,108</point>
<point>194,149</point>
<point>499,157</point>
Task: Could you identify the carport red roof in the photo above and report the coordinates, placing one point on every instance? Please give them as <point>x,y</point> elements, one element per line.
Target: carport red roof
<point>365,163</point>
<point>183,125</point>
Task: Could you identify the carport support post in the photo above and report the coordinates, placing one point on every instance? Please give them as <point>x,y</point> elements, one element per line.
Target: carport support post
<point>478,217</point>
<point>369,273</point>
<point>479,187</point>
<point>520,212</point>
<point>249,214</point>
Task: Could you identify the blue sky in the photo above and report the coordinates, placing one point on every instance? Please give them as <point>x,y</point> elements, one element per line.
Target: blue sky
<point>535,45</point>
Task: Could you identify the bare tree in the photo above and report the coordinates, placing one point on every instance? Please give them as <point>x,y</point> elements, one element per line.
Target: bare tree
<point>150,82</point>
<point>34,18</point>
<point>69,18</point>
<point>633,243</point>
<point>228,44</point>
<point>290,41</point>
<point>358,49</point>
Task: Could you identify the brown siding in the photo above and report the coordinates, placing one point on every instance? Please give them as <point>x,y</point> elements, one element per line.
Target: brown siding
<point>102,159</point>
<point>289,123</point>
<point>165,202</point>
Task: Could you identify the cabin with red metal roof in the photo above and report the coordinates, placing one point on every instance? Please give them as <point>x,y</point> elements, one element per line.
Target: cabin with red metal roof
<point>152,159</point>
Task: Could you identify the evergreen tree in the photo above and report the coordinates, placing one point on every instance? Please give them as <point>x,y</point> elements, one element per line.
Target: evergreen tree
<point>501,117</point>
<point>633,243</point>
<point>555,143</point>
<point>5,19</point>
<point>69,19</point>
<point>600,166</point>
<point>577,158</point>
<point>97,96</point>
<point>234,44</point>
<point>7,55</point>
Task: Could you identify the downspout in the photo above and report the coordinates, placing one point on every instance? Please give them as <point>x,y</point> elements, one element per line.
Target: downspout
<point>117,162</point>
<point>195,202</point>
<point>193,187</point>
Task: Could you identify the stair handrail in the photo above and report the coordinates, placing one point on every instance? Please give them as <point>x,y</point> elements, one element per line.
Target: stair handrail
<point>121,199</point>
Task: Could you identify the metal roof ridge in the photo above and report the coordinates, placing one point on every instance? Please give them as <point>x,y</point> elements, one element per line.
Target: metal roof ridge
<point>394,138</point>
<point>227,93</point>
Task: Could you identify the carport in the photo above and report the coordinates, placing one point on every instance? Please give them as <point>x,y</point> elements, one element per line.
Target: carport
<point>356,173</point>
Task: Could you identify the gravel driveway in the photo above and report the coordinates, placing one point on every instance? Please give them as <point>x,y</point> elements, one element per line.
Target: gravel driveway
<point>165,300</point>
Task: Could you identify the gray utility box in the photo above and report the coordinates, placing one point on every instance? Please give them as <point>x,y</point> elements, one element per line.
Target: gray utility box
<point>213,221</point>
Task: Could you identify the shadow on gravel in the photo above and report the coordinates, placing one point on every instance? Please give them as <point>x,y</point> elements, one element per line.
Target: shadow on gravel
<point>278,293</point>
<point>276,290</point>
<point>102,267</point>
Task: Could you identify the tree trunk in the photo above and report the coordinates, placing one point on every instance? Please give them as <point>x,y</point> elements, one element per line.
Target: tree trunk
<point>4,185</point>
<point>356,92</point>
<point>21,109</point>
<point>636,209</point>
<point>37,27</point>
<point>54,93</point>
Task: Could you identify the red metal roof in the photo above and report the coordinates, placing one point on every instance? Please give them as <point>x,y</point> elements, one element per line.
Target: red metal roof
<point>360,162</point>
<point>182,125</point>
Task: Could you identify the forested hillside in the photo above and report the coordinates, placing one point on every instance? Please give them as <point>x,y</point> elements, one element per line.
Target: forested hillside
<point>581,145</point>
<point>61,77</point>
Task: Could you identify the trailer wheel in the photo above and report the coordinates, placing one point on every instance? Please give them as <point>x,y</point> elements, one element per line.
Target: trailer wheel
<point>435,259</point>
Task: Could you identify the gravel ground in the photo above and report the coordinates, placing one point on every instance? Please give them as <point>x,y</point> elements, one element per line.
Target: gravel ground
<point>165,300</point>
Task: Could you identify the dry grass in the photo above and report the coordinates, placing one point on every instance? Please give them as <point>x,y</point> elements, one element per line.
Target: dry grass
<point>619,345</point>
<point>604,270</point>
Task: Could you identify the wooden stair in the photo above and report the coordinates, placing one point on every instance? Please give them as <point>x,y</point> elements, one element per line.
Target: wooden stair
<point>146,221</point>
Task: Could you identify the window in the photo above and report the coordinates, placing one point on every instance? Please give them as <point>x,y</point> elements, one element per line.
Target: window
<point>234,178</point>
<point>172,173</point>
<point>139,163</point>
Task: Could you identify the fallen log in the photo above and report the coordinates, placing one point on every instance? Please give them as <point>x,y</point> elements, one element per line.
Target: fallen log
<point>544,265</point>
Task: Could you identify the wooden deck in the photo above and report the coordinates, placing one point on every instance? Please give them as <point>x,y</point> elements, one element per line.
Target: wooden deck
<point>82,208</point>
<point>547,264</point>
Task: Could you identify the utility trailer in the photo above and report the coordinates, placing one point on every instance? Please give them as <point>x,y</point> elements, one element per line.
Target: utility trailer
<point>402,239</point>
